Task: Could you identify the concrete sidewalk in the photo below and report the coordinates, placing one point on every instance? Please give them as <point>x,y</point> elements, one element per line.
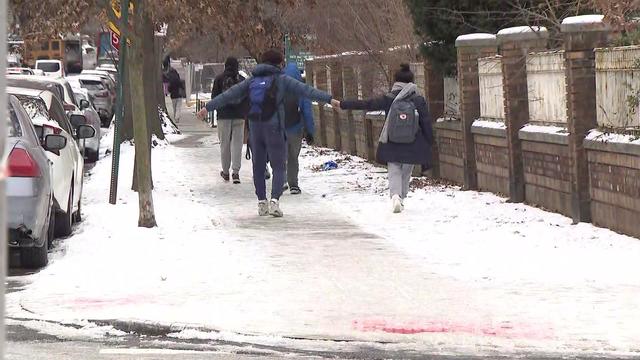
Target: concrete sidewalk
<point>458,272</point>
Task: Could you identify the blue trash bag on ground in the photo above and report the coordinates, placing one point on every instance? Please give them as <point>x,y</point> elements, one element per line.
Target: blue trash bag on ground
<point>329,165</point>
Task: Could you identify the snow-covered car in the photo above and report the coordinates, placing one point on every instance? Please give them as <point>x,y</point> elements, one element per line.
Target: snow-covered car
<point>29,187</point>
<point>62,86</point>
<point>91,145</point>
<point>48,117</point>
<point>51,68</point>
<point>98,88</point>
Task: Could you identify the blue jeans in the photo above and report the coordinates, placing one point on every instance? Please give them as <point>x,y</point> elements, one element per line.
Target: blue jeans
<point>268,143</point>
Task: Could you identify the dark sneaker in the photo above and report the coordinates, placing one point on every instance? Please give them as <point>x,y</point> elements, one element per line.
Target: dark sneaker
<point>236,178</point>
<point>295,190</point>
<point>285,187</point>
<point>267,174</point>
<point>224,175</point>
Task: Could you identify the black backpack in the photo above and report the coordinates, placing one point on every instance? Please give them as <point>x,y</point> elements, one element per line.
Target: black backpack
<point>291,111</point>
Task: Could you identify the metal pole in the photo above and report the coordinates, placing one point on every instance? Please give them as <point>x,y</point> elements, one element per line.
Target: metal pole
<point>115,157</point>
<point>3,199</point>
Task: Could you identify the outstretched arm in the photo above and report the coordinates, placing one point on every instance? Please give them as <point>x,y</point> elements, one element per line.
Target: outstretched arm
<point>234,95</point>
<point>373,104</point>
<point>303,90</point>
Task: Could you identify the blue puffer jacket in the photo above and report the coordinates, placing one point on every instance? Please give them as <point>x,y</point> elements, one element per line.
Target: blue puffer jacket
<point>304,104</point>
<point>285,84</point>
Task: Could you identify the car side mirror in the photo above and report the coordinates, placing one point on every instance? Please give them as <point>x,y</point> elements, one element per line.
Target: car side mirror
<point>77,120</point>
<point>84,104</point>
<point>54,143</point>
<point>85,132</point>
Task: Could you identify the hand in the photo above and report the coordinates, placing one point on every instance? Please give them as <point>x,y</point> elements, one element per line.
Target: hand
<point>335,103</point>
<point>309,139</point>
<point>202,114</point>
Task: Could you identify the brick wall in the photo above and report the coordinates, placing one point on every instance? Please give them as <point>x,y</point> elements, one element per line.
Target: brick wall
<point>450,150</point>
<point>614,174</point>
<point>492,160</point>
<point>547,173</point>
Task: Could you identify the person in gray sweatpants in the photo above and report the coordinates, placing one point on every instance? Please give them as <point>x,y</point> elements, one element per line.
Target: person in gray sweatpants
<point>230,122</point>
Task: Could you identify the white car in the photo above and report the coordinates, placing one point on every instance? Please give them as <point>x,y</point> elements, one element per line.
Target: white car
<point>98,88</point>
<point>62,86</point>
<point>91,145</point>
<point>48,117</point>
<point>52,68</point>
<point>108,74</point>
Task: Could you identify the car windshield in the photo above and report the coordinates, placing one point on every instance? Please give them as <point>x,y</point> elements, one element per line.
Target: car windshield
<point>49,66</point>
<point>13,124</point>
<point>92,85</point>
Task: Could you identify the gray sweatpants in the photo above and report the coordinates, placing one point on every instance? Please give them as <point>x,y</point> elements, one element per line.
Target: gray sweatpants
<point>176,103</point>
<point>231,135</point>
<point>294,144</point>
<point>399,178</point>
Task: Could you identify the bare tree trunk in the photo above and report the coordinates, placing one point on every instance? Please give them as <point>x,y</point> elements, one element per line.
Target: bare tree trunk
<point>141,133</point>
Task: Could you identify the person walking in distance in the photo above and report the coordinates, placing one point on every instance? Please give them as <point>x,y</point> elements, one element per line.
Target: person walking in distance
<point>176,91</point>
<point>230,122</point>
<point>265,91</point>
<point>298,120</point>
<point>406,137</point>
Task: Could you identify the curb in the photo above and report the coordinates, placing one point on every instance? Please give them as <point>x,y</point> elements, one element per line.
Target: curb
<point>151,328</point>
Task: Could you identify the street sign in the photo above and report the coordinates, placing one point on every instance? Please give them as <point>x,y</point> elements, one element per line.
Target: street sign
<point>115,40</point>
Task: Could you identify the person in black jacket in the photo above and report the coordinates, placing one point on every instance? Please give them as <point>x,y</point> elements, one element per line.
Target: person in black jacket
<point>400,158</point>
<point>230,121</point>
<point>176,91</point>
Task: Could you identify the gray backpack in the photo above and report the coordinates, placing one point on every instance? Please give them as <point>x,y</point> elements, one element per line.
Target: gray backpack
<point>402,120</point>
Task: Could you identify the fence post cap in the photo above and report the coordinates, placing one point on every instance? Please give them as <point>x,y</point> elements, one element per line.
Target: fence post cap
<point>522,33</point>
<point>584,23</point>
<point>476,40</point>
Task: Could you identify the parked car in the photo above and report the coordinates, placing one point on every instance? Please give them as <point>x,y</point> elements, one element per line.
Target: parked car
<point>105,73</point>
<point>51,68</point>
<point>29,186</point>
<point>91,145</point>
<point>98,87</point>
<point>20,71</point>
<point>48,117</point>
<point>62,87</point>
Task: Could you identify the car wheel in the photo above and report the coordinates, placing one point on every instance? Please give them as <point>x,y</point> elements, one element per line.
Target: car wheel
<point>64,220</point>
<point>92,156</point>
<point>38,257</point>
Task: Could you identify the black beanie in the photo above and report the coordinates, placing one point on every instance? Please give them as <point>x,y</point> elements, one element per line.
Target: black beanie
<point>231,64</point>
<point>404,74</point>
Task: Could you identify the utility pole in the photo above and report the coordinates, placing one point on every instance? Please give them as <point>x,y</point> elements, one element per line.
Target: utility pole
<point>3,136</point>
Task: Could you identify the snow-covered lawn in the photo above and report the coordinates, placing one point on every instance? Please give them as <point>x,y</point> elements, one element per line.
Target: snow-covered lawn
<point>457,272</point>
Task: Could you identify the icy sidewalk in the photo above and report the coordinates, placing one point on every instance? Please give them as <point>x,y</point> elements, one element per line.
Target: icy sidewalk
<point>458,272</point>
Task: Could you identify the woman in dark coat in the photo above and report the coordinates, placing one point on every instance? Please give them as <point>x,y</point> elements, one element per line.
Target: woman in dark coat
<point>400,158</point>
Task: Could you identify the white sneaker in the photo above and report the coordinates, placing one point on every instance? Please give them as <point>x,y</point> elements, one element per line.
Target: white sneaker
<point>274,208</point>
<point>397,205</point>
<point>263,208</point>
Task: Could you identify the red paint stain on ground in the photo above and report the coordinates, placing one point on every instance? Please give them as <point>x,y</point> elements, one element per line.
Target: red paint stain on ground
<point>507,330</point>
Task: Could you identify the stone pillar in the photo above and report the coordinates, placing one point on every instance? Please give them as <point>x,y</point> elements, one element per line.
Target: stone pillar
<point>337,87</point>
<point>470,48</point>
<point>434,92</point>
<point>582,34</point>
<point>321,82</point>
<point>515,43</point>
<point>350,91</point>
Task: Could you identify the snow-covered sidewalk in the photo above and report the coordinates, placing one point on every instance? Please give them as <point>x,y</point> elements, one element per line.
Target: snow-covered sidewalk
<point>457,272</point>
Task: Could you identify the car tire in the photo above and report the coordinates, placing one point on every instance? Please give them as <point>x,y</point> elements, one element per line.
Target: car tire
<point>92,156</point>
<point>51,231</point>
<point>38,256</point>
<point>64,220</point>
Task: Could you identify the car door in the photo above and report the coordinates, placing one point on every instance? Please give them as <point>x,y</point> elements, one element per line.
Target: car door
<point>71,151</point>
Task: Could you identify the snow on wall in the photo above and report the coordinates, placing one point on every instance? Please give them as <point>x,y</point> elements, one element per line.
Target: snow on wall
<point>583,19</point>
<point>547,87</point>
<point>491,94</point>
<point>522,29</point>
<point>618,87</point>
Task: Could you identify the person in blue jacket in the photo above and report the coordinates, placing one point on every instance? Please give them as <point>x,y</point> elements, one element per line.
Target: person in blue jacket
<point>298,121</point>
<point>267,137</point>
